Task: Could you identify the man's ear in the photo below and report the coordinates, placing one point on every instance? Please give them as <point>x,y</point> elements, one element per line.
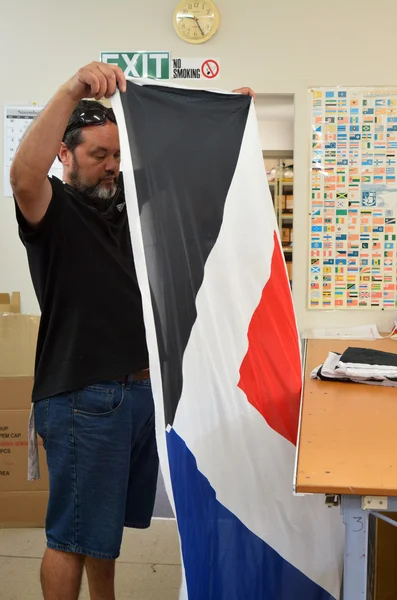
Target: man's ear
<point>65,155</point>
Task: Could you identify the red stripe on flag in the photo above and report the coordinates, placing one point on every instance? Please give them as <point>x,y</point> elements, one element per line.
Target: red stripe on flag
<point>270,374</point>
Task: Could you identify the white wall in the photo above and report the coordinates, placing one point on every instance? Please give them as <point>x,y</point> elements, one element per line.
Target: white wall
<point>274,47</point>
<point>275,113</point>
<point>277,135</point>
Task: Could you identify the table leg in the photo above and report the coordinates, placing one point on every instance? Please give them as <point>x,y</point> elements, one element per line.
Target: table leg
<point>356,548</point>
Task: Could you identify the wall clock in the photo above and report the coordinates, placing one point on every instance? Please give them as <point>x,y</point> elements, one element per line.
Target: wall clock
<point>196,22</point>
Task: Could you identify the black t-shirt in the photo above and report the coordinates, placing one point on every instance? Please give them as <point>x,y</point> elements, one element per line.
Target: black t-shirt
<point>83,272</point>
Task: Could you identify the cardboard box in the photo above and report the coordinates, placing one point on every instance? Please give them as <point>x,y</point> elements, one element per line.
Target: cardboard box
<point>10,304</point>
<point>22,503</point>
<point>14,453</point>
<point>18,338</point>
<point>23,509</point>
<point>289,269</point>
<point>289,202</point>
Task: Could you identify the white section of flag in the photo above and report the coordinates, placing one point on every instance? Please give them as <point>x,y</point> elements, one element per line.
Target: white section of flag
<point>249,465</point>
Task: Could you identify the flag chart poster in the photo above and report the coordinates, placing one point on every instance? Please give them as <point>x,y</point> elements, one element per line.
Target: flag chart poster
<point>353,246</point>
<point>223,347</point>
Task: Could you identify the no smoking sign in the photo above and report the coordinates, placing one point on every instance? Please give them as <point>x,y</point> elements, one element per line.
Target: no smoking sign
<point>210,69</point>
<point>195,68</point>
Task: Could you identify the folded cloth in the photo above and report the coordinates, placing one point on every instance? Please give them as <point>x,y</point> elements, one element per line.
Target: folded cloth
<point>377,370</point>
<point>368,356</point>
<point>367,363</point>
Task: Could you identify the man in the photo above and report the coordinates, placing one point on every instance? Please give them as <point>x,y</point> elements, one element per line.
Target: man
<point>93,405</point>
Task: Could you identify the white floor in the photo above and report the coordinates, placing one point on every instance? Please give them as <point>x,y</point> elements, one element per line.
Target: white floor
<point>148,568</point>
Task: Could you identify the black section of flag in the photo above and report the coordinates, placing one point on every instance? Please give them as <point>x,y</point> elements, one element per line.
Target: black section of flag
<point>184,146</point>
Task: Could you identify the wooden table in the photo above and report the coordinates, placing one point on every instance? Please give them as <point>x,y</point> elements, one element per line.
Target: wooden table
<point>347,448</point>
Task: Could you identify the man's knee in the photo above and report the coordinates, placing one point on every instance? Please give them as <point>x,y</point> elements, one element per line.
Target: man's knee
<point>68,560</point>
<point>61,574</point>
<point>99,568</point>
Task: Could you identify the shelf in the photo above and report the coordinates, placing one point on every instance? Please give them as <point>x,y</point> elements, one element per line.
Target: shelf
<point>287,215</point>
<point>285,182</point>
<point>278,154</point>
<point>287,249</point>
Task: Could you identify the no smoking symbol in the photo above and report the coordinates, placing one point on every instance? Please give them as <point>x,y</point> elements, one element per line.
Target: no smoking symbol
<point>210,69</point>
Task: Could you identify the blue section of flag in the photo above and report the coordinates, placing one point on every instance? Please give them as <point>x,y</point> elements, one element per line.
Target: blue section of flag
<point>223,559</point>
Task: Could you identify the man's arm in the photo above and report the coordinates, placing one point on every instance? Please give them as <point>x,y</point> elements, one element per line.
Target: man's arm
<point>42,142</point>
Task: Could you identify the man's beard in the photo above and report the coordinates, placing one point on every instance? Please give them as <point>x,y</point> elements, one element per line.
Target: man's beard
<point>94,192</point>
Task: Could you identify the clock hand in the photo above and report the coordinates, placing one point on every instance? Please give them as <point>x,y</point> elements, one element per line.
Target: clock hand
<point>198,25</point>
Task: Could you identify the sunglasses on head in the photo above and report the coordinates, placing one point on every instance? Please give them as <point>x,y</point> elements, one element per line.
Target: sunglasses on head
<point>91,116</point>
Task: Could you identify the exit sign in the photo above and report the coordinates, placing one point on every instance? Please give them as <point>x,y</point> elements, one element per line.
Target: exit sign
<point>152,65</point>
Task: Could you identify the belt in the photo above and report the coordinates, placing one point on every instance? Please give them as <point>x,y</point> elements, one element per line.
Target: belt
<point>138,376</point>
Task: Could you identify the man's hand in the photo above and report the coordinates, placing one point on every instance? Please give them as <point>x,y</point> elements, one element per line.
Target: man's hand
<point>41,143</point>
<point>96,80</point>
<point>246,92</point>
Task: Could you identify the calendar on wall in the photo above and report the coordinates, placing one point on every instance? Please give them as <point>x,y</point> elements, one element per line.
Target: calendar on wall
<point>16,121</point>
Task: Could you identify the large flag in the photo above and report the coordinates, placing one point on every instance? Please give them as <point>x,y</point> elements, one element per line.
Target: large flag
<point>224,348</point>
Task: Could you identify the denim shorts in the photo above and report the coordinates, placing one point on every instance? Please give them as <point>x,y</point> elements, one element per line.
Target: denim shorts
<point>102,460</point>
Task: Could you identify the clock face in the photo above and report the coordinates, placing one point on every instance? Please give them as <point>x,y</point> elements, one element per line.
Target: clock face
<point>196,22</point>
